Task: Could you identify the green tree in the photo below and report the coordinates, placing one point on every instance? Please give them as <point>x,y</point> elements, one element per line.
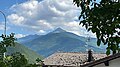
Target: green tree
<point>102,17</point>
<point>6,41</point>
<point>39,62</point>
<point>32,65</point>
<point>13,60</point>
<point>17,60</point>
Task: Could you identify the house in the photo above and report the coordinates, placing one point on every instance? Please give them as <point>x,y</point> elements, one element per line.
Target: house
<point>71,59</point>
<point>109,61</point>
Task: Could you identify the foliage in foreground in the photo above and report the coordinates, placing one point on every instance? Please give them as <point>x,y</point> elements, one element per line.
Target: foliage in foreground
<point>102,17</point>
<point>15,59</point>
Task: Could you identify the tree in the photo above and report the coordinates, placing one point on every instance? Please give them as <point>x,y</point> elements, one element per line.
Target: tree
<point>16,60</point>
<point>13,60</point>
<point>102,17</point>
<point>6,41</point>
<point>39,62</point>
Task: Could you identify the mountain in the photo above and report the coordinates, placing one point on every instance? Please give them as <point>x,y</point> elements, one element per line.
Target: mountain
<point>58,30</point>
<point>28,53</point>
<point>61,40</point>
<point>28,38</point>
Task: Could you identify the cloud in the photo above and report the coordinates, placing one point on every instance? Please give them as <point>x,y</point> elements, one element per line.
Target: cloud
<point>2,27</point>
<point>41,32</point>
<point>19,35</point>
<point>46,15</point>
<point>44,24</point>
<point>16,19</point>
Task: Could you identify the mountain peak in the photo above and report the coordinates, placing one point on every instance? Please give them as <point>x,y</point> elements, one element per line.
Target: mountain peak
<point>58,30</point>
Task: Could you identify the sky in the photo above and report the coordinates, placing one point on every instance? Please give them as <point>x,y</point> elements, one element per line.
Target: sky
<point>29,17</point>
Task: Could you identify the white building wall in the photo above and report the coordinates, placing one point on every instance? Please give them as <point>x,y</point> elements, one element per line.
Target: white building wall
<point>112,63</point>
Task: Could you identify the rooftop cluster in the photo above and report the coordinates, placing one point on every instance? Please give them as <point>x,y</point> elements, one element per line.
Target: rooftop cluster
<point>70,58</point>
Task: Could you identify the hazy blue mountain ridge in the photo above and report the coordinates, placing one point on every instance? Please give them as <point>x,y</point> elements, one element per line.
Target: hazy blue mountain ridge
<point>61,40</point>
<point>28,38</point>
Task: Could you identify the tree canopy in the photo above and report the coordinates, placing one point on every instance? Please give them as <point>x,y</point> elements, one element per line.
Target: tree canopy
<point>15,59</point>
<point>102,17</point>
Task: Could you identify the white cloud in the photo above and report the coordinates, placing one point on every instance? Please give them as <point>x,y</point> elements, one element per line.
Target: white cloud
<point>44,25</point>
<point>2,27</point>
<point>19,35</point>
<point>16,19</point>
<point>46,15</point>
<point>75,28</point>
<point>41,32</point>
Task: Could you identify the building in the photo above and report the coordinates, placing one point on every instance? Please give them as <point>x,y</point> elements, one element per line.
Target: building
<point>70,59</point>
<point>109,61</point>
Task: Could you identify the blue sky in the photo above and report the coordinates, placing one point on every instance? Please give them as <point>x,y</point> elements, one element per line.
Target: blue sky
<point>25,17</point>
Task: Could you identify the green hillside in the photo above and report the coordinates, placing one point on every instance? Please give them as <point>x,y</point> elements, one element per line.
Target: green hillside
<point>29,54</point>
